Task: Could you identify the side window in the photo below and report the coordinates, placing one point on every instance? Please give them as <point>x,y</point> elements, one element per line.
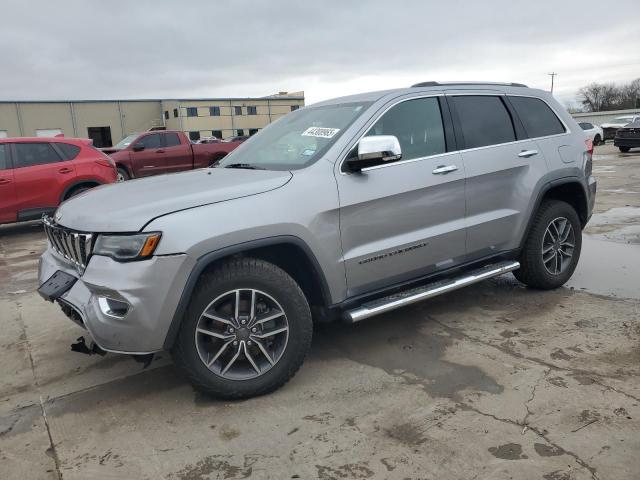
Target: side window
<point>418,126</point>
<point>194,136</point>
<point>538,119</point>
<point>252,110</point>
<point>69,152</point>
<point>237,110</point>
<point>171,139</point>
<point>217,134</point>
<point>4,164</point>
<point>214,111</point>
<point>30,154</point>
<point>484,120</point>
<point>192,111</point>
<point>150,141</point>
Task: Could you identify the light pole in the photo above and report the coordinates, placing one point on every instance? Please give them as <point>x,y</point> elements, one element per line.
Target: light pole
<point>552,74</point>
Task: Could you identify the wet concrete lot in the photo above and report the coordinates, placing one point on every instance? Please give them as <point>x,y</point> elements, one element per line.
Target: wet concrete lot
<point>492,382</point>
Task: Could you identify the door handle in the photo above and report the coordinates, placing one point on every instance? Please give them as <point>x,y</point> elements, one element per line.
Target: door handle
<point>65,170</point>
<point>160,151</point>
<point>4,181</point>
<point>443,169</point>
<point>527,153</point>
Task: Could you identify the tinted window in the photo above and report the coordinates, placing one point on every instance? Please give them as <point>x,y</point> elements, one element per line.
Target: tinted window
<point>418,126</point>
<point>484,120</point>
<point>69,152</point>
<point>214,111</point>
<point>192,111</point>
<point>238,110</point>
<point>150,141</point>
<point>3,158</point>
<point>252,110</point>
<point>253,131</point>
<point>194,136</point>
<point>538,119</point>
<point>171,139</point>
<point>29,154</point>
<point>585,126</point>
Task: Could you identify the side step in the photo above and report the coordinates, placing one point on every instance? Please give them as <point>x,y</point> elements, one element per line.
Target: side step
<point>401,299</point>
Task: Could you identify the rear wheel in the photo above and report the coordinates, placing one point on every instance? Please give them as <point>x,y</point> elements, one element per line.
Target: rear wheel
<point>552,249</point>
<point>77,191</point>
<point>246,332</point>
<point>624,149</point>
<point>122,175</point>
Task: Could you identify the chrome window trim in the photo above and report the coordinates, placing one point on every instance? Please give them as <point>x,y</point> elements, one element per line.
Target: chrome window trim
<point>484,93</point>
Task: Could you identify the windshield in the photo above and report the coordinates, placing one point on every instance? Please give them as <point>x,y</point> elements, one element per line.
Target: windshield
<point>622,120</point>
<point>126,141</point>
<point>297,139</point>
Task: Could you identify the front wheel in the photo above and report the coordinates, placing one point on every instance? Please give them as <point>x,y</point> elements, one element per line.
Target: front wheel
<point>552,249</point>
<point>123,175</point>
<point>624,149</point>
<point>246,331</point>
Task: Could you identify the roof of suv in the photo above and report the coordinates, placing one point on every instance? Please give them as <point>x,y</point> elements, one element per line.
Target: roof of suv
<point>513,88</point>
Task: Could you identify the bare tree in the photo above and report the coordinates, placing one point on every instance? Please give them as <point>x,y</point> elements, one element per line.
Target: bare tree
<point>597,97</point>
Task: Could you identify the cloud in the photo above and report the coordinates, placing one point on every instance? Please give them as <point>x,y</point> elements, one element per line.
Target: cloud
<point>150,49</point>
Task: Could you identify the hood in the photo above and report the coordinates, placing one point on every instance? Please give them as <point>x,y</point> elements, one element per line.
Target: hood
<point>128,206</point>
<point>613,125</point>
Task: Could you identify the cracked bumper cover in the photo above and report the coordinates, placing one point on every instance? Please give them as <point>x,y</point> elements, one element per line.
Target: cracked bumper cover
<point>152,288</point>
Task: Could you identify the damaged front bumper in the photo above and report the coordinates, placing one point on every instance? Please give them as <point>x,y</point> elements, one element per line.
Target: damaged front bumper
<point>125,307</point>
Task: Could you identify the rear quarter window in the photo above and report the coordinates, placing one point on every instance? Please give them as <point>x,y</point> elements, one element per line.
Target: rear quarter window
<point>68,151</point>
<point>536,116</point>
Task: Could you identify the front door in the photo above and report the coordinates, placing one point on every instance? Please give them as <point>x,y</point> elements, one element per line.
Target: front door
<point>404,219</point>
<point>8,200</point>
<point>151,159</point>
<point>178,156</point>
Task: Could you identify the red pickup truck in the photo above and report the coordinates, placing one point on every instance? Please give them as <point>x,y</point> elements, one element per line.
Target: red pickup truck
<point>166,151</point>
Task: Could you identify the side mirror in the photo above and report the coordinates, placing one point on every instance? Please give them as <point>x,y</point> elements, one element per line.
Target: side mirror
<point>374,150</point>
<point>138,147</point>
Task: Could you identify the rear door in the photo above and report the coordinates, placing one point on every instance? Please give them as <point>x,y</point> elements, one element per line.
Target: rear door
<point>151,160</point>
<point>8,201</point>
<point>502,168</point>
<point>404,219</point>
<point>178,156</point>
<point>41,177</point>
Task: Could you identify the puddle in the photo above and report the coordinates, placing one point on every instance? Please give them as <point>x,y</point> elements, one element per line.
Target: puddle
<point>619,224</point>
<point>608,268</point>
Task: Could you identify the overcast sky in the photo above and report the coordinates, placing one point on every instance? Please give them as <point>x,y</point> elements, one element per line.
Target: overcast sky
<point>169,49</point>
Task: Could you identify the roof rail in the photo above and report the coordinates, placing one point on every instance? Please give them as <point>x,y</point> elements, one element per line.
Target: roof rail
<point>435,84</point>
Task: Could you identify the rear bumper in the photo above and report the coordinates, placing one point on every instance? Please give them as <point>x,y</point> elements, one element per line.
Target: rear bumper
<point>626,142</point>
<point>151,289</point>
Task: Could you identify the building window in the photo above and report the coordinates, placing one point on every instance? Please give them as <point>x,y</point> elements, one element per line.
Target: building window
<point>194,136</point>
<point>237,110</point>
<point>217,134</point>
<point>294,107</point>
<point>214,111</point>
<point>166,114</point>
<point>192,111</point>
<point>253,131</point>
<point>240,132</point>
<point>252,110</point>
<point>175,112</point>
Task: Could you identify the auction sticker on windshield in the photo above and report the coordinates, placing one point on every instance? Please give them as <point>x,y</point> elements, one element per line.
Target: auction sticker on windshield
<point>321,132</point>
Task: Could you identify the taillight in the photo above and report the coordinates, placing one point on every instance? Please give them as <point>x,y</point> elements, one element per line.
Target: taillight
<point>588,158</point>
<point>589,144</point>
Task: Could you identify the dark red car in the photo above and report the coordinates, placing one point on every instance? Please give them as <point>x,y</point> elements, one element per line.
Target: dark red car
<point>37,174</point>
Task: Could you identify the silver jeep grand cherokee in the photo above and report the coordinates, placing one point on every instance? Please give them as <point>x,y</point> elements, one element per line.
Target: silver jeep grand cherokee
<point>341,210</point>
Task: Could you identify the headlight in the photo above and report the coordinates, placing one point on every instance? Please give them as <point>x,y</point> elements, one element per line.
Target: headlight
<point>127,247</point>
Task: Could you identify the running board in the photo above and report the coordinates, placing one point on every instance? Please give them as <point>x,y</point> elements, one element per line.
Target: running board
<point>401,299</point>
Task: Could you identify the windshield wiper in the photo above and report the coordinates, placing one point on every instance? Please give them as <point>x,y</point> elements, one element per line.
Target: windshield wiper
<point>247,166</point>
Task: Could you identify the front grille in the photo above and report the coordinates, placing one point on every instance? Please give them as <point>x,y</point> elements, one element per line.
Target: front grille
<point>74,246</point>
<point>628,133</point>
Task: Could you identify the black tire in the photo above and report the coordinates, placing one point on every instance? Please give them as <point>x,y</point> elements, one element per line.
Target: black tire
<point>77,191</point>
<point>123,175</point>
<point>533,271</point>
<point>624,149</point>
<point>597,140</point>
<point>245,273</point>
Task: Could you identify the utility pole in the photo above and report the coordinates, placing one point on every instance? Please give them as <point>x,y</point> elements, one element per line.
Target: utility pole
<point>552,74</point>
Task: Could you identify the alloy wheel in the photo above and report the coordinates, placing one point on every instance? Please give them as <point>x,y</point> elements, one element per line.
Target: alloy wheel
<point>558,244</point>
<point>242,334</point>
